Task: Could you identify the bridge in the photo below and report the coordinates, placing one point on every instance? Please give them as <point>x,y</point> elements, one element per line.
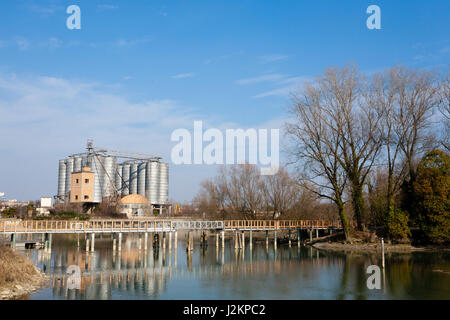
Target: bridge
<point>171,226</point>
<point>139,226</point>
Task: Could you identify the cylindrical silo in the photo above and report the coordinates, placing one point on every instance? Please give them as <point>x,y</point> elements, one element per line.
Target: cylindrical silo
<point>118,177</point>
<point>154,182</point>
<point>69,170</point>
<point>84,161</point>
<point>133,178</point>
<point>77,162</point>
<point>96,167</point>
<point>141,178</point>
<point>61,178</point>
<point>163,183</point>
<point>147,179</point>
<point>108,169</point>
<point>126,179</point>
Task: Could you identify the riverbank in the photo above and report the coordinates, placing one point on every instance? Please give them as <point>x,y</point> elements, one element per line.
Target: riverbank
<point>367,242</point>
<point>18,276</point>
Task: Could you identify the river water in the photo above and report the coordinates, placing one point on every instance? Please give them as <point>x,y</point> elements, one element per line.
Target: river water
<point>210,273</point>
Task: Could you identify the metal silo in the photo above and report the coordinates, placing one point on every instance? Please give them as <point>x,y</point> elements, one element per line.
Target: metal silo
<point>141,178</point>
<point>69,170</point>
<point>108,169</point>
<point>118,177</point>
<point>147,180</point>
<point>77,164</point>
<point>126,179</point>
<point>154,182</point>
<point>96,167</point>
<point>133,178</point>
<point>61,178</point>
<point>163,194</point>
<point>84,161</point>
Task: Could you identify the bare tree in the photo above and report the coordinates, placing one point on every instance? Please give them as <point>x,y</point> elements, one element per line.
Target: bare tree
<point>444,108</point>
<point>280,192</point>
<point>316,147</point>
<point>242,189</point>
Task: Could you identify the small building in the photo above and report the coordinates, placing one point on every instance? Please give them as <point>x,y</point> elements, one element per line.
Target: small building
<point>45,206</point>
<point>82,186</point>
<point>135,205</point>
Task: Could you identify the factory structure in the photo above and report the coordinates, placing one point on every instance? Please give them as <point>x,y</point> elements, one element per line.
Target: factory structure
<point>100,173</point>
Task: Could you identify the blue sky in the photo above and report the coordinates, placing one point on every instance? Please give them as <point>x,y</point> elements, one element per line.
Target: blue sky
<point>139,69</point>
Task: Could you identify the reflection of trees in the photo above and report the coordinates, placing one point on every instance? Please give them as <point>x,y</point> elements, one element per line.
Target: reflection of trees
<point>294,274</point>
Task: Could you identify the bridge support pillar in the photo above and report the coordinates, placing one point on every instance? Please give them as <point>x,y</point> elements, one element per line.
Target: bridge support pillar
<point>217,239</point>
<point>170,240</point>
<point>87,242</point>
<point>190,242</point>
<point>175,240</point>
<point>139,241</point>
<point>120,242</point>
<point>243,240</point>
<point>289,235</point>
<point>223,239</point>
<point>114,242</point>
<point>317,233</point>
<point>331,231</point>
<point>298,237</point>
<point>236,245</point>
<point>92,242</point>
<point>310,234</point>
<point>13,240</point>
<point>251,239</point>
<point>267,239</point>
<point>50,237</point>
<point>145,241</point>
<point>275,239</point>
<point>164,240</point>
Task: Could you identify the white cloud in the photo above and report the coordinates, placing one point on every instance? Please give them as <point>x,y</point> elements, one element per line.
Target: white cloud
<point>129,43</point>
<point>262,78</point>
<point>288,86</point>
<point>183,75</point>
<point>107,7</point>
<point>272,58</point>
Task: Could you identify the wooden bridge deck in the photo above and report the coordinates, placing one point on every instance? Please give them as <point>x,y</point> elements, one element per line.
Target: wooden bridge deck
<point>136,226</point>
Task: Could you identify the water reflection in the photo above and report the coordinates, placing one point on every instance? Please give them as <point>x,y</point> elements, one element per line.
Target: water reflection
<point>207,272</point>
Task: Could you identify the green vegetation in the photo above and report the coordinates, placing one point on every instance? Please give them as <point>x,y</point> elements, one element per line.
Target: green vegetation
<point>65,215</point>
<point>431,190</point>
<point>9,213</point>
<point>397,223</point>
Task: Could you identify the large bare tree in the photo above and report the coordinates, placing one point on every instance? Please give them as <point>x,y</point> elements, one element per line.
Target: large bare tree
<point>315,148</point>
<point>280,192</point>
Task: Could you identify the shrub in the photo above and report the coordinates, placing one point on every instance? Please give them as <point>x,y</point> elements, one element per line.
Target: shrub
<point>396,223</point>
<point>431,191</point>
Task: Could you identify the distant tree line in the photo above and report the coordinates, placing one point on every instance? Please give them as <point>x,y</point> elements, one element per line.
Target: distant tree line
<point>375,147</point>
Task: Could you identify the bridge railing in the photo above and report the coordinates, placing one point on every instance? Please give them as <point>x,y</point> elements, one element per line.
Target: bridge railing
<point>279,224</point>
<point>41,226</point>
<point>85,226</point>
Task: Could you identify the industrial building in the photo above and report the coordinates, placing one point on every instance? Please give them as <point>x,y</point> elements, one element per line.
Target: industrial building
<point>101,173</point>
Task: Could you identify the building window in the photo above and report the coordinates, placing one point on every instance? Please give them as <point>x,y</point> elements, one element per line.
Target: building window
<point>86,197</point>
<point>86,180</point>
<point>76,197</point>
<point>76,180</point>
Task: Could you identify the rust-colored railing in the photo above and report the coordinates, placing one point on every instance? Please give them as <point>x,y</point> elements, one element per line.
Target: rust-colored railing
<point>105,226</point>
<point>279,224</point>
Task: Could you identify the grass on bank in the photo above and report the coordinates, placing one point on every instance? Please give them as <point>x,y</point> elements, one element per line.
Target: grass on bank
<point>14,268</point>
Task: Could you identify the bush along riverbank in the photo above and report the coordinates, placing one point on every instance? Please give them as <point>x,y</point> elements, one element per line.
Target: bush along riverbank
<point>18,276</point>
<point>369,242</point>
